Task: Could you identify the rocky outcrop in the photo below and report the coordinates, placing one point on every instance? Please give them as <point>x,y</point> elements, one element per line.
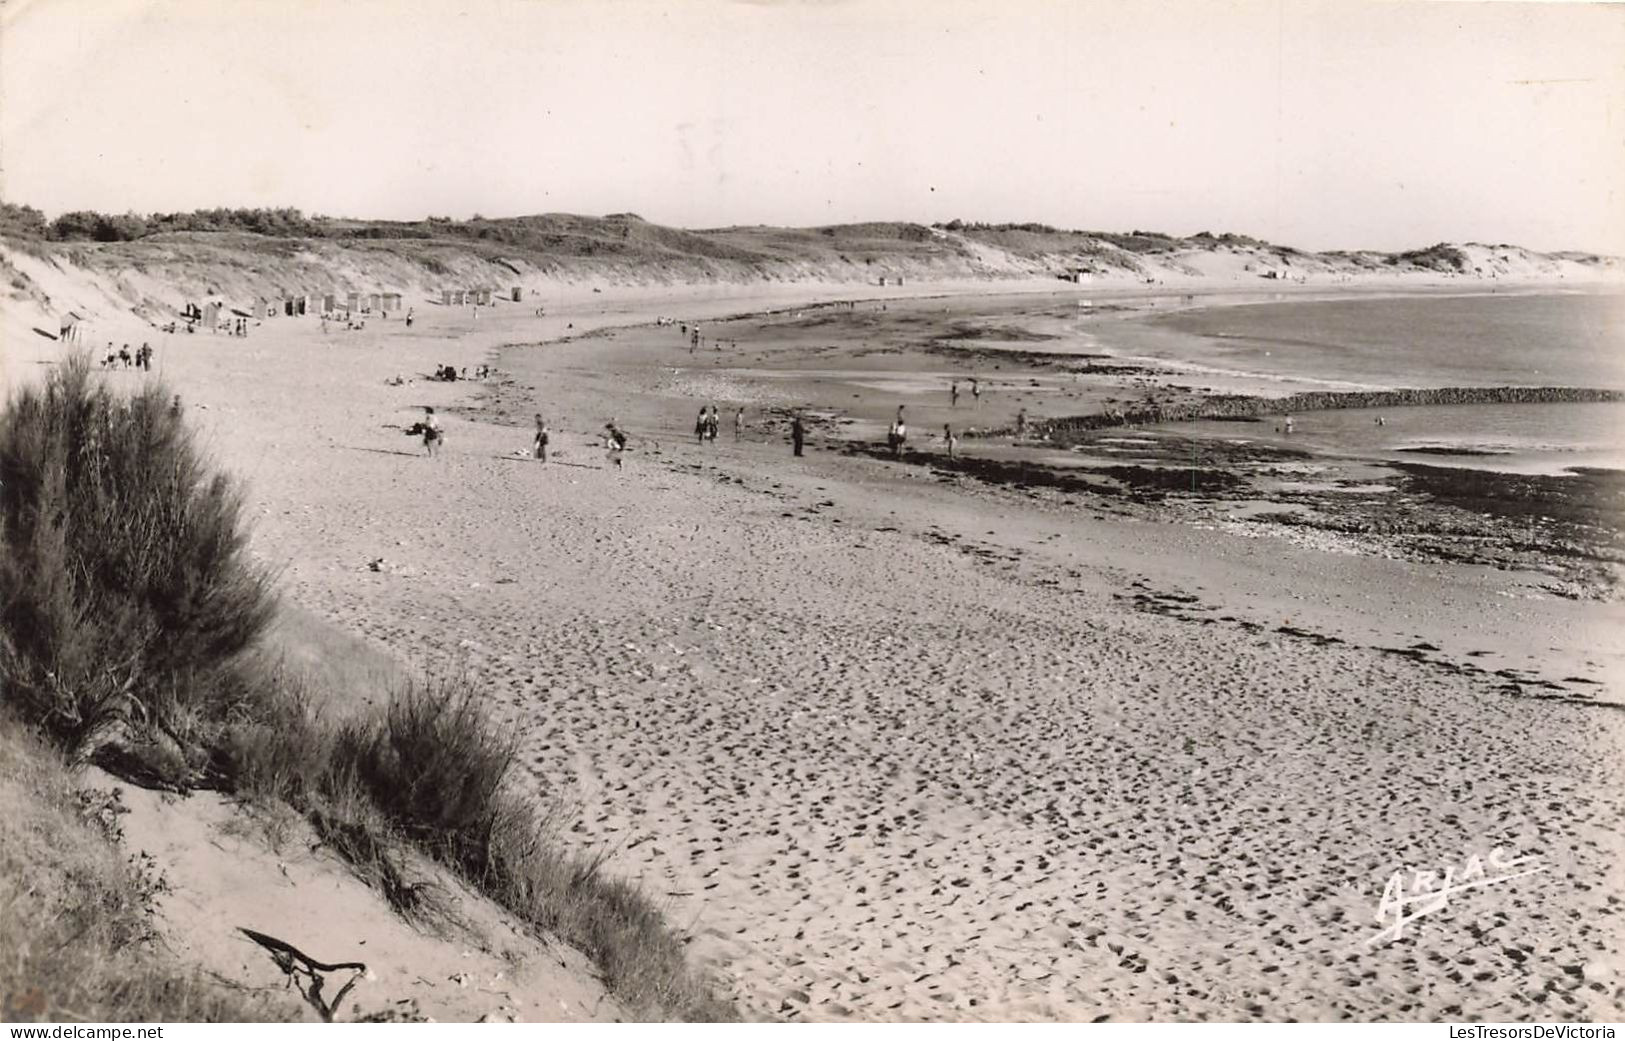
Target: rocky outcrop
<point>1242,406</point>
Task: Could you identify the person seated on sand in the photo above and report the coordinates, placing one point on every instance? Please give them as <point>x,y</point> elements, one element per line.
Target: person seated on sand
<point>539,442</point>
<point>433,436</point>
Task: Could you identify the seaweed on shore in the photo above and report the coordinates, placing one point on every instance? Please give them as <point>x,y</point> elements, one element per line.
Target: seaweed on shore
<point>1140,483</point>
<point>1589,497</point>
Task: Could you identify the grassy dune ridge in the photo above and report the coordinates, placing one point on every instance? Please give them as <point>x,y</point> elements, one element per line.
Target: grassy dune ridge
<point>238,256</point>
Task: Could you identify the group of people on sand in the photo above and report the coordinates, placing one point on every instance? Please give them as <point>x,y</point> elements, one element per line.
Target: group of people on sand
<point>141,358</point>
<point>708,424</point>
<point>705,427</point>
<point>975,393</point>
<point>897,435</point>
<point>449,373</point>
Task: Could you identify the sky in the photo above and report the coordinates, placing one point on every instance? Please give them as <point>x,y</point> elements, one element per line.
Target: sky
<point>1335,125</point>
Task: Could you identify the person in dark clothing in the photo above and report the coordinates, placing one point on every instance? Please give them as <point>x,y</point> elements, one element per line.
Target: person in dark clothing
<point>798,433</point>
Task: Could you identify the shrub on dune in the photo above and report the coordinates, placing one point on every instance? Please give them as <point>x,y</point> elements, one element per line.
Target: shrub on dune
<point>126,594</point>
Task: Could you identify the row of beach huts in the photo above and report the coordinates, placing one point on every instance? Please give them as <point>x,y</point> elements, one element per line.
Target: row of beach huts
<point>360,303</point>
<point>216,313</point>
<point>325,303</point>
<point>475,297</point>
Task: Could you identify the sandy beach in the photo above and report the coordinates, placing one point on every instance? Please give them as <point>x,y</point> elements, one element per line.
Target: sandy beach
<point>898,748</point>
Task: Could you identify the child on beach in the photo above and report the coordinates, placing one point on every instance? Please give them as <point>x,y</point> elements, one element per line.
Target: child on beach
<point>539,442</point>
<point>432,435</point>
<point>615,442</point>
<point>699,426</point>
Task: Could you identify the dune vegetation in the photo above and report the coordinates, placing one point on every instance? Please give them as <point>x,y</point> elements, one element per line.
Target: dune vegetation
<point>132,625</point>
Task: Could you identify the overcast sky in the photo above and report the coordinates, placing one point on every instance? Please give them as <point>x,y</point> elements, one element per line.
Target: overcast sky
<point>1324,125</point>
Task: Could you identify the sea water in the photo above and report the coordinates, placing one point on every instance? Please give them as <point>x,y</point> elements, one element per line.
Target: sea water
<point>1483,339</point>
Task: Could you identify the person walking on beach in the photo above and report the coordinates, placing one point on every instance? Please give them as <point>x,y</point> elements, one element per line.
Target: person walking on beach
<point>953,395</point>
<point>897,435</point>
<point>713,424</point>
<point>409,318</point>
<point>615,442</point>
<point>699,426</point>
<point>975,393</point>
<point>949,439</point>
<point>432,435</point>
<point>798,433</point>
<point>539,442</point>
<point>1021,423</point>
<point>739,424</point>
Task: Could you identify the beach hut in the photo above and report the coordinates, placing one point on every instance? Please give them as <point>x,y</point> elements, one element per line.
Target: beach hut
<point>392,301</point>
<point>72,326</point>
<point>330,303</point>
<point>211,316</point>
<point>374,301</point>
<point>445,298</point>
<point>352,302</point>
<point>518,294</point>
